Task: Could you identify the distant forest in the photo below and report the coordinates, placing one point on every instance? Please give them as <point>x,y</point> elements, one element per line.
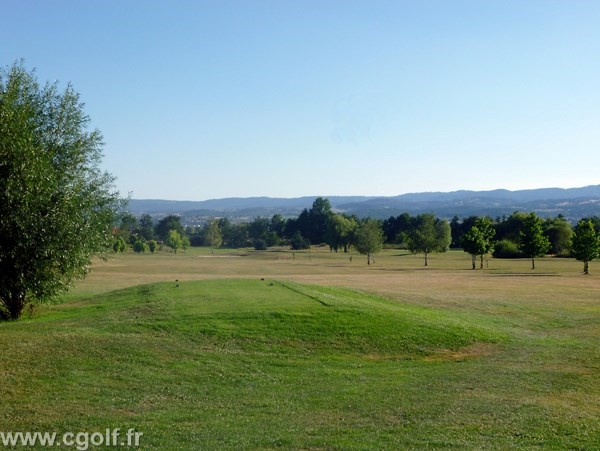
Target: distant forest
<point>502,236</point>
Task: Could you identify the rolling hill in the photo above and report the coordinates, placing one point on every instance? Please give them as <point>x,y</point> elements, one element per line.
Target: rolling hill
<point>572,203</point>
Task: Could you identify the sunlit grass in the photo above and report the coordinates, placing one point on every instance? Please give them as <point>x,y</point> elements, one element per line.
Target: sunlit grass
<point>437,357</point>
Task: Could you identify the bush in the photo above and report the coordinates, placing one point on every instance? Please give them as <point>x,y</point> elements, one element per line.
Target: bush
<point>152,246</point>
<point>119,245</point>
<point>139,246</point>
<point>260,245</point>
<point>298,242</point>
<point>506,249</point>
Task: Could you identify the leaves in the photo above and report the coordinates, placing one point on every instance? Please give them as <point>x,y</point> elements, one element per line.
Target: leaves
<point>57,207</point>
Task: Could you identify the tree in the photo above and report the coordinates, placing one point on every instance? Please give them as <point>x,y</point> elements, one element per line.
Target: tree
<point>298,242</point>
<point>119,245</point>
<point>396,228</point>
<point>533,242</point>
<point>146,227</point>
<point>585,243</point>
<point>428,234</point>
<point>168,223</point>
<point>369,238</point>
<point>57,208</point>
<point>479,239</point>
<point>340,232</point>
<point>559,232</point>
<point>212,235</point>
<point>140,246</point>
<point>152,246</point>
<point>174,240</point>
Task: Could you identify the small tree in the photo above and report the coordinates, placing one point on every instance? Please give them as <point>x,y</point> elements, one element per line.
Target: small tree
<point>429,234</point>
<point>533,242</point>
<point>479,240</point>
<point>585,243</point>
<point>139,246</point>
<point>152,246</point>
<point>174,240</point>
<point>212,235</point>
<point>369,239</point>
<point>57,208</point>
<point>119,245</point>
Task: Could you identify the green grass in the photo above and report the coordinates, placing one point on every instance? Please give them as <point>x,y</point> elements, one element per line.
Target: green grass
<point>250,363</point>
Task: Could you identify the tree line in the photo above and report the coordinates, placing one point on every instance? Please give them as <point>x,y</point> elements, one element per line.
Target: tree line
<point>520,235</point>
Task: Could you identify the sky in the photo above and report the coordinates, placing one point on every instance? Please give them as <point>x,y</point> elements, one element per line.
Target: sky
<point>212,99</point>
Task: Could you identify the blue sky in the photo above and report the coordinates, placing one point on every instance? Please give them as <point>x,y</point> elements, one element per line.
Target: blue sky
<point>211,99</point>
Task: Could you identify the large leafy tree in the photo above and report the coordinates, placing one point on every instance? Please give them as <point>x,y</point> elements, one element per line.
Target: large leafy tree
<point>57,208</point>
<point>340,232</point>
<point>429,234</point>
<point>585,243</point>
<point>533,242</point>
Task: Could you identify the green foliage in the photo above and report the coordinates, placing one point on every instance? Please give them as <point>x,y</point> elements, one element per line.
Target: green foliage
<point>586,243</point>
<point>479,239</point>
<point>369,238</point>
<point>234,235</point>
<point>506,249</point>
<point>559,232</point>
<point>119,245</point>
<point>57,207</point>
<point>298,242</point>
<point>429,234</point>
<point>152,246</point>
<point>168,223</point>
<point>140,246</point>
<point>533,242</point>
<point>146,227</point>
<point>340,232</point>
<point>260,245</point>
<point>174,240</point>
<point>212,234</point>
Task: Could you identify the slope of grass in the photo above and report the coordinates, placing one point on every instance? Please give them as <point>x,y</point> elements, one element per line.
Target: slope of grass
<point>264,364</point>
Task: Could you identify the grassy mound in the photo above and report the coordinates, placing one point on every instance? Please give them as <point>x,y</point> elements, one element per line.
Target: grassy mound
<point>260,364</point>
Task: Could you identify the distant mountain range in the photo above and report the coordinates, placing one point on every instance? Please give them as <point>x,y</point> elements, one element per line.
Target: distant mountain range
<point>573,203</point>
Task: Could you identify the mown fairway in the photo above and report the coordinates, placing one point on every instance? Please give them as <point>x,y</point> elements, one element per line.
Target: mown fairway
<point>322,353</point>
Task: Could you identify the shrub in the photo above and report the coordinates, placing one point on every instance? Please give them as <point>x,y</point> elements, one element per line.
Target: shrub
<point>140,246</point>
<point>260,245</point>
<point>507,249</point>
<point>119,245</point>
<point>298,242</point>
<point>152,246</point>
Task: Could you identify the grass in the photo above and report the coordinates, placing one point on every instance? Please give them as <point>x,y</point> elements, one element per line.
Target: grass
<point>323,353</point>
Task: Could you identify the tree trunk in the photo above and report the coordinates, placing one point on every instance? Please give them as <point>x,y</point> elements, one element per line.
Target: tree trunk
<point>473,260</point>
<point>532,263</point>
<point>368,259</point>
<point>586,267</point>
<point>14,305</point>
<point>425,258</point>
<point>481,262</point>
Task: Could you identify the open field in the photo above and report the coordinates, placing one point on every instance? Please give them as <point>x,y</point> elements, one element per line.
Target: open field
<point>323,353</point>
